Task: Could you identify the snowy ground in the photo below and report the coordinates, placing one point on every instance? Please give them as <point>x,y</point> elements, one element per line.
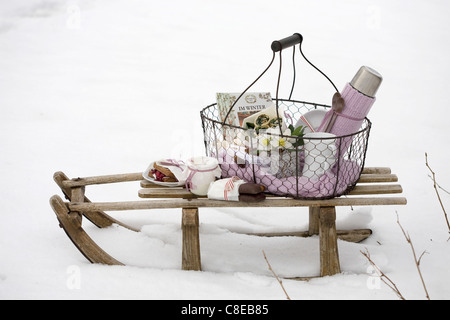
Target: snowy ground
<point>95,87</point>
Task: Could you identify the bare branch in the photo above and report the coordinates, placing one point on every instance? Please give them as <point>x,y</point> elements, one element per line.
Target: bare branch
<point>420,258</point>
<point>435,185</point>
<point>439,186</point>
<point>383,276</point>
<point>276,277</point>
<point>408,239</point>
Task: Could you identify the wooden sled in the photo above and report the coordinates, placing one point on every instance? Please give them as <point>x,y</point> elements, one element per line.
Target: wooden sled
<point>375,187</point>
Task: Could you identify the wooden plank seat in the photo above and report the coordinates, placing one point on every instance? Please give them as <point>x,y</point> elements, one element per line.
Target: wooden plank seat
<point>377,186</point>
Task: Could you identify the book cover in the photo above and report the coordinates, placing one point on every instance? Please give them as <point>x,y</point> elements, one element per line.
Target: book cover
<point>250,103</point>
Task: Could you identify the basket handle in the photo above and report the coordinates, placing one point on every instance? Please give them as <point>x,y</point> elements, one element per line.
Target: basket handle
<point>278,46</point>
<point>290,41</point>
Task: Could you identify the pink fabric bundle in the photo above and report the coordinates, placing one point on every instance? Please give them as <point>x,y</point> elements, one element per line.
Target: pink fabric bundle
<point>329,184</point>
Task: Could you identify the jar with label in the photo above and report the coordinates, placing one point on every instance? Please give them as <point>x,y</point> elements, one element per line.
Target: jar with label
<point>200,172</point>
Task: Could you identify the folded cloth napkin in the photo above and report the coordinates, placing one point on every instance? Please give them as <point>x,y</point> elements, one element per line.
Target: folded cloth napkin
<point>235,189</point>
<point>225,189</point>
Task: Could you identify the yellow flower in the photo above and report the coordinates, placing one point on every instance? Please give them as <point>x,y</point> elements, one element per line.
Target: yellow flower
<point>282,142</point>
<point>278,141</point>
<point>265,141</point>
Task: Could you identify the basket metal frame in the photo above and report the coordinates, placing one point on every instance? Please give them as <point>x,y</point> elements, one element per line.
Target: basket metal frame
<point>278,46</point>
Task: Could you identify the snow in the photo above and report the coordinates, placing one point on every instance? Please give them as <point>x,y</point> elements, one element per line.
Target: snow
<point>94,87</point>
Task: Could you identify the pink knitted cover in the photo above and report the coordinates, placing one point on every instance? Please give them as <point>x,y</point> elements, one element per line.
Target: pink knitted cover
<point>328,185</point>
<point>357,107</point>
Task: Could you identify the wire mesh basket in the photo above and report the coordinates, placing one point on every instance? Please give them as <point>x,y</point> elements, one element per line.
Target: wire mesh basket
<point>302,166</point>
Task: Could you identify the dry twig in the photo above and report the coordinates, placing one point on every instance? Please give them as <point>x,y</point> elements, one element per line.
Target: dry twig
<point>435,185</point>
<point>276,277</point>
<point>386,279</point>
<point>382,276</point>
<point>408,239</point>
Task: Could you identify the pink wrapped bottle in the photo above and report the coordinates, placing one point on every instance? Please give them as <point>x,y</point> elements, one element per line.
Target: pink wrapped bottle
<point>359,96</point>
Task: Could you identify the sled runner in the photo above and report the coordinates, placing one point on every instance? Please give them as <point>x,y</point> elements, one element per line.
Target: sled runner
<point>376,186</point>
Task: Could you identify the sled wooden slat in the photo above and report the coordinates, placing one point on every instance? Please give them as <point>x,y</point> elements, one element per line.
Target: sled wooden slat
<point>365,178</point>
<point>166,193</point>
<point>375,178</point>
<point>154,192</point>
<point>206,203</point>
<point>116,178</point>
<point>376,187</point>
<point>376,170</point>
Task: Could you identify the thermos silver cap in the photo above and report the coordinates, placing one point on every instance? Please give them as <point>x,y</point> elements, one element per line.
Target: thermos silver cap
<point>367,81</point>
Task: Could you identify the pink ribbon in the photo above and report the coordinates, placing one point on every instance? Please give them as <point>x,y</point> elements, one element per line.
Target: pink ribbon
<point>172,162</point>
<point>307,123</point>
<point>189,185</point>
<point>229,186</point>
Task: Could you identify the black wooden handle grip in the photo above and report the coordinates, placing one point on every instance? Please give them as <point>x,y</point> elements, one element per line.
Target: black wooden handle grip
<point>279,45</point>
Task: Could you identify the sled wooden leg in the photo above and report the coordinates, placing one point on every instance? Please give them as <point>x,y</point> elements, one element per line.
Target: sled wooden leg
<point>99,218</point>
<point>329,256</point>
<point>77,195</point>
<point>355,235</point>
<point>191,241</point>
<point>313,221</point>
<point>71,223</point>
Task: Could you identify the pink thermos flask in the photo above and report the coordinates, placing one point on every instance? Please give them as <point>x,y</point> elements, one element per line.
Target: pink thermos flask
<point>359,96</point>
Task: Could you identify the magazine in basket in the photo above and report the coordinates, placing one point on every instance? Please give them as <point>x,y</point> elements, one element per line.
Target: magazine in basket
<point>250,103</point>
